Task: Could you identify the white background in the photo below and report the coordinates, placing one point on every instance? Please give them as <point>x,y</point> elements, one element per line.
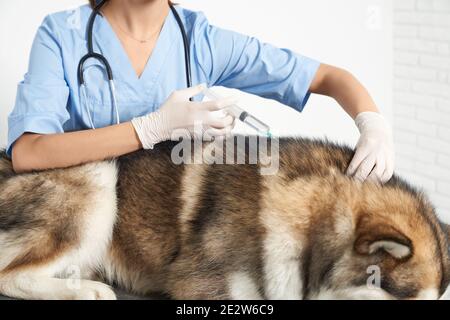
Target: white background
<point>347,33</point>
<point>422,96</point>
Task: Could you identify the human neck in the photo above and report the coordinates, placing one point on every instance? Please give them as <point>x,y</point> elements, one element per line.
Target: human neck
<point>139,17</point>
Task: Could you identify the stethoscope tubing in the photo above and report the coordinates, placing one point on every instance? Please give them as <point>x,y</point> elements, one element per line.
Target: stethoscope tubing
<point>91,54</point>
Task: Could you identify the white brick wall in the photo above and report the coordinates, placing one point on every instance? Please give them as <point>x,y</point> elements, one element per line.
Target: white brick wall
<point>422,96</point>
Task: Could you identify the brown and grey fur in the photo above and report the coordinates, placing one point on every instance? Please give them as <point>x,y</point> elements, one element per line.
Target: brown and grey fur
<point>147,225</point>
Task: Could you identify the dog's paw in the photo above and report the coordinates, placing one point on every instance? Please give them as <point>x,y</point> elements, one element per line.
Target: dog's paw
<point>91,290</point>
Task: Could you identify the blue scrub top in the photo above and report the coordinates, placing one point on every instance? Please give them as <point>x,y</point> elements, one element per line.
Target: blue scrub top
<point>49,101</point>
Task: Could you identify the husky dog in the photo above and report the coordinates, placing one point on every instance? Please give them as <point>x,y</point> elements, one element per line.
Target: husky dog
<point>145,224</point>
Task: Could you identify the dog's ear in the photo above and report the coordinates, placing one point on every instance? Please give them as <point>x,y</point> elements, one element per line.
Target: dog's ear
<point>372,238</point>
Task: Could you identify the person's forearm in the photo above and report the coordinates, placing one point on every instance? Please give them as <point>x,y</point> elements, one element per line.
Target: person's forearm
<point>344,88</point>
<point>41,152</point>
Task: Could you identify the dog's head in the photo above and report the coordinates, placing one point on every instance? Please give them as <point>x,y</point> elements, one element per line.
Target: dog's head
<point>398,249</point>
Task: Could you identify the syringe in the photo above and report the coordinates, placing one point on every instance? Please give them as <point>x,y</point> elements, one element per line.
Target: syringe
<point>241,114</point>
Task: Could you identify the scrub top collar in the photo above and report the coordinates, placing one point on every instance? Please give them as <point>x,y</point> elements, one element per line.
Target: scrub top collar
<point>107,42</point>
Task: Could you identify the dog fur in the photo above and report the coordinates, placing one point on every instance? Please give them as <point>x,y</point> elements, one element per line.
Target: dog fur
<point>147,225</point>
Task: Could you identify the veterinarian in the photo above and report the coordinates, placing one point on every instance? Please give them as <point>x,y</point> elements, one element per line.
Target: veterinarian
<point>58,122</point>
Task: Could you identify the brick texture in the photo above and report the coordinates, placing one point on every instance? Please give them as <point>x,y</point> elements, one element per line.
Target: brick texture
<point>422,96</point>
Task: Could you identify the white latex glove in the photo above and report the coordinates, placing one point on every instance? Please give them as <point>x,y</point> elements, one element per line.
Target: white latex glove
<point>374,157</point>
<point>180,113</point>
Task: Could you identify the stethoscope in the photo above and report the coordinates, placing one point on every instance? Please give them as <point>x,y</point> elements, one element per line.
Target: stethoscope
<point>99,57</point>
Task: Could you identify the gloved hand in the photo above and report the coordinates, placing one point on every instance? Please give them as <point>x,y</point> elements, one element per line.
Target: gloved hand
<point>374,158</point>
<point>180,113</point>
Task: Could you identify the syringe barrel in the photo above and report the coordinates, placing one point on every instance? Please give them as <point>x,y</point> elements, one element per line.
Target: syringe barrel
<point>256,124</point>
<point>240,114</point>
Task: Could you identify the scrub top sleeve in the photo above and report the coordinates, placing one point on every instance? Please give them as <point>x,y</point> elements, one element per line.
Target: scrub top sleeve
<point>42,96</point>
<point>236,61</point>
